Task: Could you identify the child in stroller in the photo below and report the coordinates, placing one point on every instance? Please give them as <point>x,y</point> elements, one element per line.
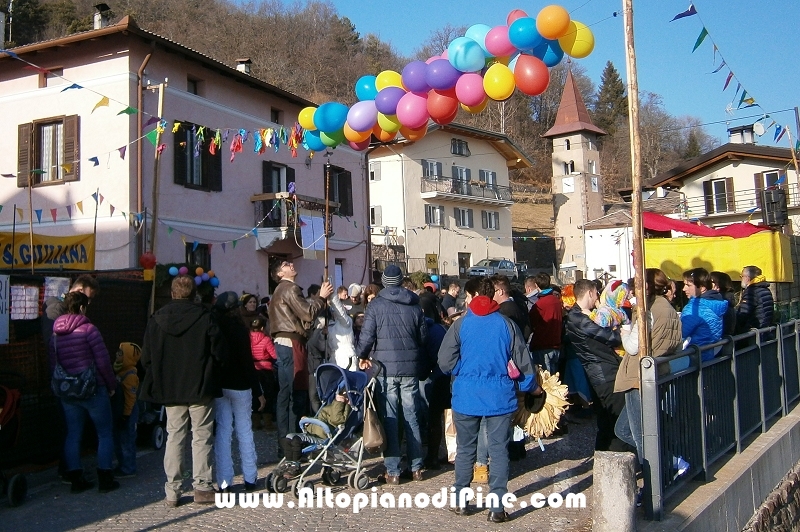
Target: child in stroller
<point>330,438</point>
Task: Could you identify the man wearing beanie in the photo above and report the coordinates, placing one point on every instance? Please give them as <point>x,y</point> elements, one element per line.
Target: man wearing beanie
<point>394,333</point>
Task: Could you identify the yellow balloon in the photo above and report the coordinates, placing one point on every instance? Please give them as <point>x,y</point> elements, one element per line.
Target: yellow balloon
<point>388,78</point>
<point>389,123</point>
<point>476,108</point>
<point>306,118</point>
<point>578,42</point>
<point>498,82</point>
<point>355,136</point>
<point>552,22</point>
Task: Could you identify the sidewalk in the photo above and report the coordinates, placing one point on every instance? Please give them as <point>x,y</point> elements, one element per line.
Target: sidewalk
<point>565,466</point>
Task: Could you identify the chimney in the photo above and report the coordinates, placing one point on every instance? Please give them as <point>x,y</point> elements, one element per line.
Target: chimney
<point>243,65</point>
<point>744,134</point>
<point>101,14</point>
<point>3,26</point>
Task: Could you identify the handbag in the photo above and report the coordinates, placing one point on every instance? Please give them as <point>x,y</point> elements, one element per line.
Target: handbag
<point>68,386</point>
<point>374,436</point>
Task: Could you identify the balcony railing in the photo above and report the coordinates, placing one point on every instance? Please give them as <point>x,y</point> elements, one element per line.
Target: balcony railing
<point>736,202</point>
<point>474,190</point>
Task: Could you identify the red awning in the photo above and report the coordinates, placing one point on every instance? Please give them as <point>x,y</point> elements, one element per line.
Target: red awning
<point>658,222</point>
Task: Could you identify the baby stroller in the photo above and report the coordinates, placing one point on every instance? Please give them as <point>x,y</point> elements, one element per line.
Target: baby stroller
<point>15,487</point>
<point>342,451</point>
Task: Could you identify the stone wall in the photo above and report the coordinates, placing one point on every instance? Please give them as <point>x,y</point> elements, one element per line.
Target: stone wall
<point>780,512</point>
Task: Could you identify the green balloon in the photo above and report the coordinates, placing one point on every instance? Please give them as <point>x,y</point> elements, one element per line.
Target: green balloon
<point>332,139</point>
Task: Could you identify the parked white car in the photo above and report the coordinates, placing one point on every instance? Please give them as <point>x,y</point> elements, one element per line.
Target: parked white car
<point>488,267</point>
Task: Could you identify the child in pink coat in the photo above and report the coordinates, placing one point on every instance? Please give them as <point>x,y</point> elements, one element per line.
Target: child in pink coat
<point>264,358</point>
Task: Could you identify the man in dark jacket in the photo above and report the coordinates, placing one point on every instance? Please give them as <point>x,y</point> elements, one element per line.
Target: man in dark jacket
<point>757,308</point>
<point>395,333</point>
<point>512,309</point>
<point>594,346</point>
<point>181,355</point>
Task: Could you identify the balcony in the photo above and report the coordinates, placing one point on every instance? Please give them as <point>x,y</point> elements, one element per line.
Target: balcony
<point>446,188</point>
<point>275,212</point>
<point>734,204</point>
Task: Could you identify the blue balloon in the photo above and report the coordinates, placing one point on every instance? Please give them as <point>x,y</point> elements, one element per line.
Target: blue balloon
<point>365,88</point>
<point>214,282</point>
<point>523,34</point>
<point>513,62</point>
<point>465,55</point>
<point>549,52</point>
<point>477,32</point>
<point>173,271</point>
<point>330,116</point>
<point>434,278</point>
<point>313,141</point>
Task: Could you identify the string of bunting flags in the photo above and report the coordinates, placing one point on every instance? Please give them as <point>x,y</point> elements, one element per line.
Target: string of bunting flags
<point>746,99</point>
<point>73,208</point>
<point>471,237</point>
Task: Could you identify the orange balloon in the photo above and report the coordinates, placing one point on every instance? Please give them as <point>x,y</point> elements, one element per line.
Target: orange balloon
<point>355,136</point>
<point>476,108</point>
<point>199,271</point>
<point>414,134</point>
<point>552,22</point>
<point>382,135</point>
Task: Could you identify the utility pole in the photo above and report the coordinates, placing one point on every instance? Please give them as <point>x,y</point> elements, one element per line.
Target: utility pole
<point>327,212</point>
<point>636,164</point>
<point>154,227</point>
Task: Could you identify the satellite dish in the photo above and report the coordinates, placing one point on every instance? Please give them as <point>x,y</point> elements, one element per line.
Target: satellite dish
<point>758,128</point>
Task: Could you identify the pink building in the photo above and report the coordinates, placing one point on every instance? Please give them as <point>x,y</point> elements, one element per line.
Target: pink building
<point>79,119</point>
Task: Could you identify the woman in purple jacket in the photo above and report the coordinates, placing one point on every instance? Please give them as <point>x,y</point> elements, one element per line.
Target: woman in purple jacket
<point>76,345</point>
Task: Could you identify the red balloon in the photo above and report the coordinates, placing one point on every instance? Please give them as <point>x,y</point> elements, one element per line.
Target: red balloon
<point>147,261</point>
<point>514,15</point>
<point>447,119</point>
<point>531,75</point>
<point>442,104</point>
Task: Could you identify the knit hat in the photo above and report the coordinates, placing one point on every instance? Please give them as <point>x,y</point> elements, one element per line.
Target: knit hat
<point>392,276</point>
<point>226,301</point>
<point>354,290</point>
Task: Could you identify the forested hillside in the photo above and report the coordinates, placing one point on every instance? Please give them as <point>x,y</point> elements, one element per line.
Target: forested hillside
<point>309,49</point>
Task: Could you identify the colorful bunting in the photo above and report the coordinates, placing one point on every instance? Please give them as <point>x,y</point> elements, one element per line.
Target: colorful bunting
<point>169,230</point>
<point>150,121</point>
<point>779,132</point>
<point>69,211</point>
<point>720,65</point>
<point>111,209</point>
<point>101,199</point>
<point>73,86</point>
<point>223,247</point>
<point>122,151</point>
<point>102,103</point>
<point>79,205</point>
<point>152,136</point>
<point>688,13</point>
<point>94,195</point>
<point>38,215</point>
<point>700,38</point>
<point>54,213</point>
<point>234,244</point>
<point>194,245</point>
<point>67,167</point>
<point>95,161</point>
<point>727,81</point>
<point>128,111</point>
<point>9,53</point>
<point>20,213</point>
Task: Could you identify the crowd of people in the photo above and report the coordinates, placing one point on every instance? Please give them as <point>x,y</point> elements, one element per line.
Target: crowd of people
<point>239,366</point>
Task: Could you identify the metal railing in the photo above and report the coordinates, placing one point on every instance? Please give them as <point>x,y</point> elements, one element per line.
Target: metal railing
<point>736,202</point>
<point>696,411</point>
<point>473,189</point>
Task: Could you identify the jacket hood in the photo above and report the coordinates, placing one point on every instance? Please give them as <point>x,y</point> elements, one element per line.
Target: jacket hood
<point>712,294</point>
<point>483,305</point>
<point>717,306</point>
<point>130,354</point>
<point>398,294</point>
<point>67,323</point>
<point>179,316</point>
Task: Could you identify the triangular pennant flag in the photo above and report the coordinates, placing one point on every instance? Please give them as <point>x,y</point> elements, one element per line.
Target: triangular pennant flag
<point>124,215</point>
<point>728,80</point>
<point>94,195</point>
<point>38,172</point>
<point>54,213</point>
<point>738,88</point>
<point>169,230</point>
<point>223,247</point>
<point>700,38</point>
<point>128,111</point>
<point>101,199</point>
<point>719,67</point>
<point>9,53</point>
<point>688,13</point>
<point>102,103</point>
<point>741,100</point>
<point>73,86</point>
<point>194,245</point>
<point>67,167</point>
<point>69,211</point>
<point>8,175</point>
<point>778,131</point>
<point>796,148</point>
<point>111,208</point>
<point>234,244</point>
<point>122,151</point>
<point>38,215</point>
<point>255,233</point>
<point>152,136</point>
<point>79,205</point>
<point>94,160</point>
<point>20,213</point>
<point>150,121</point>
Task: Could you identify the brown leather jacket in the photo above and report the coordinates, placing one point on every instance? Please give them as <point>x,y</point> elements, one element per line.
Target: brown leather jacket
<point>290,314</point>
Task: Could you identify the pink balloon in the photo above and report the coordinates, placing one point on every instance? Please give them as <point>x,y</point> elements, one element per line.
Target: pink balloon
<point>469,89</point>
<point>497,42</point>
<point>359,146</point>
<point>412,110</point>
<point>514,15</point>
<point>444,55</point>
<point>432,59</point>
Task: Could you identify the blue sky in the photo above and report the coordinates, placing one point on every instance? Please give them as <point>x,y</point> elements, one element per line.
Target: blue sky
<point>755,39</point>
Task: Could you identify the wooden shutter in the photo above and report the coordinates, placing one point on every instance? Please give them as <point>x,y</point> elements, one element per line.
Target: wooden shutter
<point>457,216</point>
<point>24,154</point>
<point>425,168</point>
<point>213,165</point>
<point>72,143</point>
<point>345,193</point>
<point>497,220</point>
<point>729,199</point>
<point>468,175</point>
<point>289,178</point>
<point>442,218</point>
<point>428,214</point>
<point>482,176</point>
<point>758,183</point>
<point>470,220</point>
<point>179,168</point>
<point>439,169</point>
<point>454,172</point>
<point>266,177</point>
<point>484,219</point>
<point>708,194</point>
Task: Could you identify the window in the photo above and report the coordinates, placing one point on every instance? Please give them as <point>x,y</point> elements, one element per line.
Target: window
<point>490,220</point>
<point>459,147</point>
<point>592,167</point>
<point>770,179</point>
<point>199,255</point>
<point>567,185</point>
<point>431,168</point>
<point>375,215</point>
<point>48,151</point>
<point>194,164</point>
<point>276,116</point>
<point>434,215</point>
<point>718,195</point>
<point>487,176</point>
<point>612,268</point>
<point>375,171</point>
<point>567,144</point>
<point>51,78</point>
<point>194,86</point>
<point>569,167</point>
<point>595,184</point>
<point>274,178</point>
<point>341,189</point>
<point>463,217</point>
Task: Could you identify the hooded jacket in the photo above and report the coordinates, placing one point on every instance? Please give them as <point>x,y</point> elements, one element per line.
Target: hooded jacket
<point>76,344</point>
<point>546,316</point>
<point>340,335</point>
<point>757,308</point>
<point>127,376</point>
<point>263,351</point>
<point>394,333</point>
<point>238,372</point>
<point>594,346</point>
<point>476,351</point>
<point>181,355</point>
<point>701,320</point>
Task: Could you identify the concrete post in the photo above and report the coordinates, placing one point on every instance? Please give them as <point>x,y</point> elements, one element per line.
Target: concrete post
<point>614,499</point>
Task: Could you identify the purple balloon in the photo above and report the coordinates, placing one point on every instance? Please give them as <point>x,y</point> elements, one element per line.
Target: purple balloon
<point>198,280</point>
<point>204,276</point>
<point>362,116</point>
<point>387,98</point>
<point>413,76</point>
<point>441,75</point>
<point>183,270</point>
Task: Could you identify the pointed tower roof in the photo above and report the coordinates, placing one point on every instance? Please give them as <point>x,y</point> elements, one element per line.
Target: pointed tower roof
<point>572,115</point>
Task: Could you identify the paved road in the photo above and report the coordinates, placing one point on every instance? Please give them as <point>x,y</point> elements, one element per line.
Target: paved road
<point>565,466</point>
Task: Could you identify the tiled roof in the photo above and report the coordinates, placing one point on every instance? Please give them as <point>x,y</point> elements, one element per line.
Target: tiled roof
<point>572,115</point>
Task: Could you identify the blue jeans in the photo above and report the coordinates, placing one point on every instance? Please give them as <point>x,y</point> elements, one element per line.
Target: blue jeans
<point>547,358</point>
<point>290,405</point>
<point>232,411</point>
<point>483,444</point>
<point>125,442</point>
<point>98,407</point>
<point>397,393</point>
<point>629,423</point>
<point>498,436</point>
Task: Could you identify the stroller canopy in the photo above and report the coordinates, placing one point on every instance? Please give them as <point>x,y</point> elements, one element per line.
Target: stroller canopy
<point>331,377</point>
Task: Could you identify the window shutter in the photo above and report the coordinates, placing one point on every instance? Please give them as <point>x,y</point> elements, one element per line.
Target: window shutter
<point>470,220</point>
<point>23,154</point>
<point>376,171</point>
<point>72,144</point>
<point>708,193</point>
<point>289,178</point>
<point>484,219</point>
<point>442,218</point>
<point>729,194</point>
<point>439,169</point>
<point>266,177</point>
<point>457,216</point>
<point>497,220</point>
<point>427,214</point>
<point>482,175</point>
<point>425,172</point>
<point>469,175</point>
<point>179,155</point>
<point>214,165</point>
<point>346,193</point>
<point>454,172</point>
<point>758,183</point>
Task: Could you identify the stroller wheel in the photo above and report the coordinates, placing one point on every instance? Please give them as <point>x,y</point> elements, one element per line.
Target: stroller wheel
<point>296,486</point>
<point>361,482</point>
<point>280,484</point>
<point>331,476</point>
<point>157,437</point>
<point>17,490</point>
<point>268,482</point>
